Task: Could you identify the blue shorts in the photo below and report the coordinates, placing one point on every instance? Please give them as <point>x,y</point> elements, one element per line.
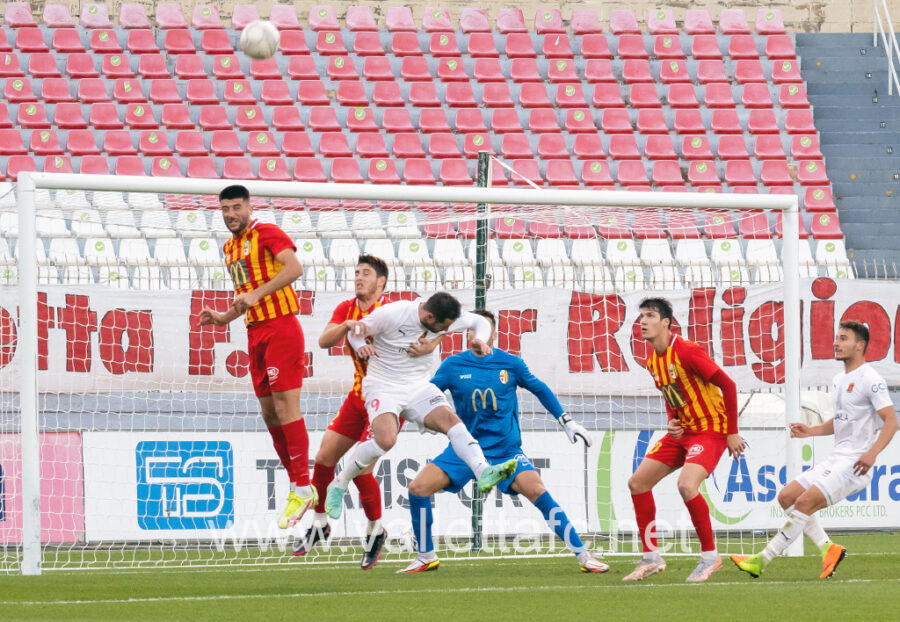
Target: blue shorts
<point>460,474</point>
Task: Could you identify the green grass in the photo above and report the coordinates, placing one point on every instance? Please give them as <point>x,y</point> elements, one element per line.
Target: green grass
<point>864,588</point>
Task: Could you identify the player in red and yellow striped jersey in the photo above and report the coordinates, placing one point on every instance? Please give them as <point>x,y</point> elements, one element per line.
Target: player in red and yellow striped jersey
<point>351,424</point>
<point>263,265</point>
<point>701,401</point>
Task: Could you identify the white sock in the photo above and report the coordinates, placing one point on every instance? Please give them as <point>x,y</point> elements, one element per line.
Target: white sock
<point>302,491</point>
<point>792,530</point>
<point>652,556</point>
<point>815,532</point>
<point>467,448</point>
<point>364,455</point>
<point>320,519</point>
<point>709,556</point>
<point>430,556</point>
<point>374,526</point>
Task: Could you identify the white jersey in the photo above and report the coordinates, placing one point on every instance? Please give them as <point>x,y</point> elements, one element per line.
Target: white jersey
<point>858,396</point>
<point>394,328</point>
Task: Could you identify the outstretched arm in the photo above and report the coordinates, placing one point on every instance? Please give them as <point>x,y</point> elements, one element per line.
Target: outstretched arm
<point>481,327</point>
<point>548,399</point>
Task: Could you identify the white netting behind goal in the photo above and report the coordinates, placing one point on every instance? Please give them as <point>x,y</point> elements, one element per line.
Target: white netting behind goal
<point>153,451</point>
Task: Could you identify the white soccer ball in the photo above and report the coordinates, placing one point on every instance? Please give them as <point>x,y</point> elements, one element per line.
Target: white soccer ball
<point>259,39</point>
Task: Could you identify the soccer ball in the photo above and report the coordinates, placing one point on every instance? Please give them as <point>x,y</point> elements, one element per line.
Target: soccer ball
<point>259,39</point>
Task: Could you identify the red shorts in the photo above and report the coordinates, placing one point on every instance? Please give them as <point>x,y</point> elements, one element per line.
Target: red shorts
<point>277,354</point>
<point>703,448</point>
<point>352,419</point>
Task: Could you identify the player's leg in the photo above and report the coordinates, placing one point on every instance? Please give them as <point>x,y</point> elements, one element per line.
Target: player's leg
<point>689,480</point>
<point>293,427</point>
<point>429,480</point>
<point>832,554</point>
<point>527,482</point>
<point>825,484</point>
<point>334,445</point>
<point>664,458</point>
<point>429,408</point>
<point>385,427</point>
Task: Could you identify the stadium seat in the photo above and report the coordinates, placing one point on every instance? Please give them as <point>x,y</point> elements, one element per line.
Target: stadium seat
<point>661,22</point>
<point>595,46</point>
<point>666,173</point>
<point>116,66</point>
<point>588,146</point>
<point>756,95</point>
<point>732,147</point>
<point>696,148</point>
<point>607,96</point>
<point>243,14</point>
<point>739,173</point>
<point>190,67</point>
<point>733,22</point>
<point>674,71</point>
<point>682,96</point>
<point>623,21</point>
<point>792,96</point>
<point>769,22</point>
<point>18,15</point>
<point>726,121</point>
<point>556,46</point>
<point>510,20</point>
<point>66,40</point>
<point>703,173</point>
<point>216,41</point>
<point>826,227</point>
<point>742,47</point>
<point>322,17</point>
<point>452,70</point>
<point>710,71</point>
<point>786,71</point>
<point>775,173</point>
<point>153,67</point>
<point>644,96</point>
<point>779,47</point>
<point>659,147</point>
<point>68,115</point>
<point>32,116</point>
<point>818,199</point>
<point>623,147</point>
<point>94,15</point>
<point>762,121</point>
<point>309,169</point>
<point>140,41</point>
<point>30,41</point>
<point>518,45</point>
<point>635,70</point>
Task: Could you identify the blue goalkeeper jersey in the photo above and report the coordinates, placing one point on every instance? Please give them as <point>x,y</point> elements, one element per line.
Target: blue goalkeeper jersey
<point>484,393</point>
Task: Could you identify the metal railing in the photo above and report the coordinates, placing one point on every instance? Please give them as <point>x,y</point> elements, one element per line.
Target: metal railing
<point>881,14</point>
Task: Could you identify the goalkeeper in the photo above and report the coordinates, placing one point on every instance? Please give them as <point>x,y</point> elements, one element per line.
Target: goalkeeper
<point>484,394</point>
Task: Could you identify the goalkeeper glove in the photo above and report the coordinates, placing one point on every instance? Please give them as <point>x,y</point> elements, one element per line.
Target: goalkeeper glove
<point>574,430</point>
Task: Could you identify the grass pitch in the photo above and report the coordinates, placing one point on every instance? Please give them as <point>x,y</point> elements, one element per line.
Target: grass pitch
<point>865,587</point>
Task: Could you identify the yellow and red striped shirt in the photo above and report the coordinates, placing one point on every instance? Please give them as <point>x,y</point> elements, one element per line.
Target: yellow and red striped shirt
<point>682,374</point>
<point>250,259</point>
<point>349,310</point>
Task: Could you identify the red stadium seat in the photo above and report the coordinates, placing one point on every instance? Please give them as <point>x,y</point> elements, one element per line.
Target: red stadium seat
<point>623,21</point>
<point>140,41</point>
<point>322,17</point>
<point>189,144</point>
<point>775,173</point>
<point>706,47</point>
<point>81,143</point>
<point>739,173</point>
<point>297,144</point>
<point>632,46</point>
<point>667,47</point>
<point>214,118</point>
<point>652,121</point>
<point>68,115</point>
<point>382,171</point>
<point>660,147</point>
<point>66,40</point>
<point>510,20</point>
<point>696,148</point>
<point>732,147</point>
<point>768,147</point>
<point>595,46</point>
<point>769,22</point>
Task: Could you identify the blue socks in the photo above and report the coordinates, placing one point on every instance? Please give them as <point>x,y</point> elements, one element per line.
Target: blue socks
<point>557,520</point>
<point>420,507</point>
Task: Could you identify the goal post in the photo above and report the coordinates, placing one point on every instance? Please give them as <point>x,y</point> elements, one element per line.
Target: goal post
<point>547,200</point>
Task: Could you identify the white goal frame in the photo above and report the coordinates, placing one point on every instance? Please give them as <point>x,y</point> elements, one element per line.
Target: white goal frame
<point>29,182</point>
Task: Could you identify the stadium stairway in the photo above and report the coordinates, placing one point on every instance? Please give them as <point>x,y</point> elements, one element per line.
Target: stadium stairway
<point>859,125</point>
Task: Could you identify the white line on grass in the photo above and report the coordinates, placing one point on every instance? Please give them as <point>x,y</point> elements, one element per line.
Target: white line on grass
<point>466,590</point>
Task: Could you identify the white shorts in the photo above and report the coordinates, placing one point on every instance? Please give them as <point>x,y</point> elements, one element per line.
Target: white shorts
<point>835,478</point>
<point>413,403</point>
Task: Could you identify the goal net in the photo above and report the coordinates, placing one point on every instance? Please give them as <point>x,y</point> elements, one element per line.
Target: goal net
<point>150,447</point>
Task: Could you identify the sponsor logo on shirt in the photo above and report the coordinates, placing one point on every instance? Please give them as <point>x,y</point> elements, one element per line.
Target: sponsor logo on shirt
<point>478,394</point>
<point>504,376</point>
<point>465,376</point>
<point>246,247</point>
<point>879,387</point>
<point>850,387</point>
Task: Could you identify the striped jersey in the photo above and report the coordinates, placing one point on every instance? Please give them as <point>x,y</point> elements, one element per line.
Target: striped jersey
<point>349,310</point>
<point>250,259</point>
<point>682,374</point>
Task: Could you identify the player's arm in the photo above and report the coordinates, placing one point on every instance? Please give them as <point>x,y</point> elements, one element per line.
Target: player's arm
<point>481,328</point>
<point>801,430</point>
<point>425,346</point>
<point>333,335</point>
<point>375,323</point>
<point>548,399</point>
<point>701,364</point>
<point>889,417</point>
<point>211,316</point>
<point>291,270</point>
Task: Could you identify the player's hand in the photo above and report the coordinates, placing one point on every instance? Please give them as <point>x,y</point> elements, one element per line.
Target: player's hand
<point>244,302</point>
<point>735,445</point>
<point>865,462</point>
<point>480,348</point>
<point>209,316</point>
<point>674,428</point>
<point>420,348</point>
<point>357,329</point>
<point>800,430</point>
<point>366,351</point>
<point>574,430</point>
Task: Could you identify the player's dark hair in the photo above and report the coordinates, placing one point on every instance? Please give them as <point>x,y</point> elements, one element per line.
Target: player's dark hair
<point>235,191</point>
<point>377,264</point>
<point>859,329</point>
<point>443,306</point>
<point>661,306</point>
<point>487,315</point>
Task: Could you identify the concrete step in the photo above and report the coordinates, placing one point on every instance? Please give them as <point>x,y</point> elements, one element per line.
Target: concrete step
<point>812,65</point>
<point>875,166</point>
<point>832,133</point>
<point>877,77</point>
<point>883,204</point>
<point>862,125</point>
<point>855,188</point>
<point>886,220</point>
<point>876,235</point>
<point>881,113</point>
<point>815,89</point>
<point>878,150</point>
<point>857,99</point>
<point>834,40</point>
